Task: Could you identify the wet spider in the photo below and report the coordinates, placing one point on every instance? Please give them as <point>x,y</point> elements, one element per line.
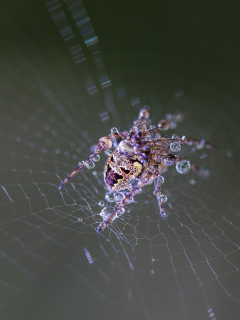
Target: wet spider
<point>138,158</point>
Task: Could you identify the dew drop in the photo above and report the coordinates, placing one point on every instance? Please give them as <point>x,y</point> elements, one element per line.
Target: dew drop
<point>175,146</point>
<point>133,184</point>
<point>172,124</point>
<point>169,160</point>
<point>106,213</point>
<point>163,125</point>
<point>121,211</point>
<point>192,181</point>
<point>114,130</point>
<point>164,215</point>
<point>96,158</point>
<point>205,172</point>
<point>109,196</point>
<point>109,151</point>
<point>118,197</point>
<point>175,136</point>
<point>184,138</point>
<point>183,166</point>
<point>163,198</point>
<point>160,180</point>
<point>200,146</point>
<point>90,165</point>
<point>130,200</point>
<point>101,203</point>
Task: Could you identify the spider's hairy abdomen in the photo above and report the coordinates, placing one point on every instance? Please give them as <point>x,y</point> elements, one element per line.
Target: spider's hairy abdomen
<point>119,170</point>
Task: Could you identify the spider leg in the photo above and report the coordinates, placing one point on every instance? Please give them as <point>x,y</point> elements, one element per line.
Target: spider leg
<point>157,188</point>
<point>200,143</point>
<point>142,183</point>
<point>104,144</point>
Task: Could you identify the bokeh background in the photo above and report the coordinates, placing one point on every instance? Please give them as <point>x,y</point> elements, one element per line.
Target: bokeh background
<point>70,71</point>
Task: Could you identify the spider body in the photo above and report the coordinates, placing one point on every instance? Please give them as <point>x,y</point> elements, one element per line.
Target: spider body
<point>140,157</point>
<point>120,168</point>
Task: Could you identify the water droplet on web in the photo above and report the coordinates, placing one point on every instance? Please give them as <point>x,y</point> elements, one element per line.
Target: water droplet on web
<point>184,138</point>
<point>200,146</point>
<point>205,172</point>
<point>109,196</point>
<point>114,130</point>
<point>160,180</point>
<point>192,181</point>
<point>183,167</point>
<point>101,203</point>
<point>175,146</point>
<point>96,158</point>
<point>172,124</point>
<point>90,165</point>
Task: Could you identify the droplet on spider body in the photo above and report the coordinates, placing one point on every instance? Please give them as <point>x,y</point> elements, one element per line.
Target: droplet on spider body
<point>118,197</point>
<point>175,146</point>
<point>200,146</point>
<point>184,138</point>
<point>183,166</point>
<point>90,165</point>
<point>96,158</point>
<point>160,180</point>
<point>163,125</point>
<point>170,160</point>
<point>164,215</point>
<point>106,213</point>
<point>109,196</point>
<point>121,211</point>
<point>133,184</point>
<point>114,130</point>
<point>192,181</point>
<point>163,198</point>
<point>109,151</point>
<point>130,200</point>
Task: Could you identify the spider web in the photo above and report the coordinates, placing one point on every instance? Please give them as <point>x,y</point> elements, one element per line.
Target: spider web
<point>53,263</point>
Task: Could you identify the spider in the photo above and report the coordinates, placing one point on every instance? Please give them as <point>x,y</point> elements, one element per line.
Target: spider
<point>138,158</point>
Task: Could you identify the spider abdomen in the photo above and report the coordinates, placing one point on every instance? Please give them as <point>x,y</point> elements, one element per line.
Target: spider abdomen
<point>119,170</point>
